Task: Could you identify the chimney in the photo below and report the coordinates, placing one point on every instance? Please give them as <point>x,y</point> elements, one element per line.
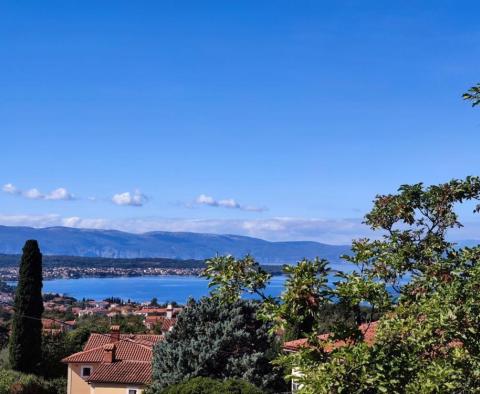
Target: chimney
<point>109,353</point>
<point>114,334</point>
<point>169,311</point>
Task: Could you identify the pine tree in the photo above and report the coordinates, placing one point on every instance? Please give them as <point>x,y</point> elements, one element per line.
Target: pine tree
<point>26,339</point>
<point>219,341</point>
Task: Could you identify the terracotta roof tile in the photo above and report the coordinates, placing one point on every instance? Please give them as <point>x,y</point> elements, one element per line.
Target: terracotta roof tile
<point>130,347</point>
<point>368,330</point>
<point>122,372</point>
<point>98,340</point>
<point>164,322</point>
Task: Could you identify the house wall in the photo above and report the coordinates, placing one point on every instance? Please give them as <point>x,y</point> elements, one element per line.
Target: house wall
<point>77,384</point>
<point>114,388</point>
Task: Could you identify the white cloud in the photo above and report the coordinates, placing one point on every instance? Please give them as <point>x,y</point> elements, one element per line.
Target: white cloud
<point>77,222</point>
<point>135,199</point>
<point>229,203</point>
<point>204,199</point>
<point>59,194</point>
<point>34,194</point>
<point>10,189</point>
<point>329,231</point>
<point>30,220</point>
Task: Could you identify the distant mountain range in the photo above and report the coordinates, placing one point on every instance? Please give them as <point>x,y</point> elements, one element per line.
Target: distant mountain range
<point>174,245</point>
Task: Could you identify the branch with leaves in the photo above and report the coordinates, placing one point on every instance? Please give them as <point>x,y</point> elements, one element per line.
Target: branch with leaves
<point>230,278</point>
<point>473,95</point>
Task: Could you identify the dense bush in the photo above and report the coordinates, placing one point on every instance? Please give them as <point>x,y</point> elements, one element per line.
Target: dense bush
<point>217,341</point>
<point>12,382</point>
<point>202,385</point>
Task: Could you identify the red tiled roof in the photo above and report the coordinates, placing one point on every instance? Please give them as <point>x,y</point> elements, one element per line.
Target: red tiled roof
<point>367,329</point>
<point>152,310</point>
<point>123,372</point>
<point>164,322</point>
<point>98,340</point>
<point>132,357</point>
<point>129,347</point>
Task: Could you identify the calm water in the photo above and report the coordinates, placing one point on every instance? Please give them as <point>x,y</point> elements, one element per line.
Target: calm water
<point>143,288</point>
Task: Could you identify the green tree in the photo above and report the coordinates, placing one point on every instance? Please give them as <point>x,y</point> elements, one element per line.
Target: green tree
<point>473,95</point>
<point>429,341</point>
<point>298,311</point>
<point>54,349</point>
<point>26,338</point>
<point>230,278</point>
<point>305,298</point>
<point>217,340</point>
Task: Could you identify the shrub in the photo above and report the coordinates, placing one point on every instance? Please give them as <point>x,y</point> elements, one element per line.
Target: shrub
<point>12,382</point>
<point>203,385</point>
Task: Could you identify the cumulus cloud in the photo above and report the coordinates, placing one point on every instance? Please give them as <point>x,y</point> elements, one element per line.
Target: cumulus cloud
<point>59,194</point>
<point>34,194</point>
<point>204,199</point>
<point>135,199</point>
<point>10,189</point>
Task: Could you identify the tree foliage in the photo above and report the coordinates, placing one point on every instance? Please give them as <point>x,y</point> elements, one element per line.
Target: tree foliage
<point>217,340</point>
<point>296,312</point>
<point>230,277</point>
<point>428,340</point>
<point>301,307</point>
<point>13,382</point>
<point>473,95</point>
<point>26,337</point>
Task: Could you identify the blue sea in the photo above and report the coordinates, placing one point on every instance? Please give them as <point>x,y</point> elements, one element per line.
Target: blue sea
<point>142,288</point>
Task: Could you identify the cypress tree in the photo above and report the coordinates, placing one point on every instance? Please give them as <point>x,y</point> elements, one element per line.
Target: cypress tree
<point>26,338</point>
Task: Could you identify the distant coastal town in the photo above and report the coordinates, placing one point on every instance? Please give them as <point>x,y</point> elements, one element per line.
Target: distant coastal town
<point>9,274</point>
<point>74,267</point>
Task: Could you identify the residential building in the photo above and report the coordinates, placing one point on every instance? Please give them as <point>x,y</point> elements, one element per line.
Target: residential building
<point>164,324</point>
<point>55,327</point>
<point>112,363</point>
<point>367,329</point>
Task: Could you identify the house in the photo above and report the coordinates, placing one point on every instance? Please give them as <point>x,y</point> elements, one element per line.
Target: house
<point>367,329</point>
<point>55,327</point>
<point>112,363</point>
<point>165,324</point>
<point>70,325</point>
<point>168,312</point>
<point>95,311</point>
<point>51,327</point>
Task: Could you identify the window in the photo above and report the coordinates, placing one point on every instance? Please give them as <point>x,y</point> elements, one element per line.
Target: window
<point>132,391</point>
<point>86,371</point>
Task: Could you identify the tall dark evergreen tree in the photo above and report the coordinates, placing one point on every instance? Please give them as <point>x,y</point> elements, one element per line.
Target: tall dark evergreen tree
<point>26,339</point>
<point>219,341</point>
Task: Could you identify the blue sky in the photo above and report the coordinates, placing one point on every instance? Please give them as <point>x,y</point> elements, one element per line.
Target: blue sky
<point>278,119</point>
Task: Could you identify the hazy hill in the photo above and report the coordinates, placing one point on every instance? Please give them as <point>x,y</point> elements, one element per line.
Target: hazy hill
<point>175,245</point>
